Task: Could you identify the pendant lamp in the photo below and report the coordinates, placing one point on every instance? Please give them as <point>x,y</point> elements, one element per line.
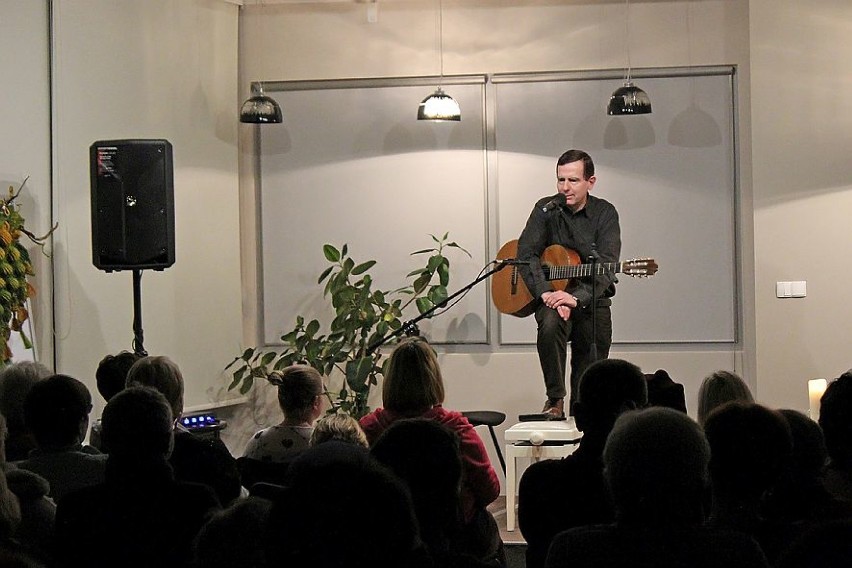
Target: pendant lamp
<point>260,109</point>
<point>628,99</point>
<point>439,106</point>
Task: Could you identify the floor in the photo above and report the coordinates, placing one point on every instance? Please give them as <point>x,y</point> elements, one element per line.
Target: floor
<point>514,541</point>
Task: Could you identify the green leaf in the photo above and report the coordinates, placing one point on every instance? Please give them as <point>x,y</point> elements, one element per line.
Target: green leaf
<point>324,274</point>
<point>247,384</point>
<point>455,245</point>
<point>423,304</point>
<point>331,253</point>
<point>345,249</point>
<point>423,251</point>
<point>267,359</point>
<point>444,273</point>
<point>357,372</point>
<point>363,267</point>
<point>421,283</point>
<point>247,354</point>
<point>312,328</point>
<point>434,262</point>
<point>437,295</point>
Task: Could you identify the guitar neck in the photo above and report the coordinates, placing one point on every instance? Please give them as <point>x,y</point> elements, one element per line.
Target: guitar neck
<point>570,271</point>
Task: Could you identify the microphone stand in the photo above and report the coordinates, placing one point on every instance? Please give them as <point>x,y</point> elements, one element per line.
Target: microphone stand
<point>593,349</point>
<point>410,327</point>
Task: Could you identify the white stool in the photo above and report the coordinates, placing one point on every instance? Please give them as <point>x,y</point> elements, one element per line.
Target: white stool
<point>535,440</point>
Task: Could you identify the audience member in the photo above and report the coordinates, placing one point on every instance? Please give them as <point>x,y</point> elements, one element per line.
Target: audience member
<point>300,399</point>
<point>425,455</point>
<point>413,387</point>
<point>827,545</point>
<point>235,536</point>
<point>38,511</point>
<point>555,495</point>
<point>835,418</point>
<point>799,499</point>
<point>56,411</point>
<point>194,458</point>
<point>140,516</point>
<point>717,389</point>
<point>750,445</point>
<point>339,426</point>
<point>664,391</point>
<point>16,380</point>
<point>111,377</point>
<point>343,510</point>
<point>655,465</point>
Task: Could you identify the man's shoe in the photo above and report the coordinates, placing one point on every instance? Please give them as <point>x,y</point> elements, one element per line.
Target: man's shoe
<point>554,409</point>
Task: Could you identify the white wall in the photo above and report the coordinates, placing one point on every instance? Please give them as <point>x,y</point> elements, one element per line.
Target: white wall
<point>152,69</point>
<point>801,136</point>
<point>25,141</point>
<point>334,40</point>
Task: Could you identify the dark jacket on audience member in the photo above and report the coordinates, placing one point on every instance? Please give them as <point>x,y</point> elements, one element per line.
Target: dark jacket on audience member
<point>140,516</point>
<point>208,461</point>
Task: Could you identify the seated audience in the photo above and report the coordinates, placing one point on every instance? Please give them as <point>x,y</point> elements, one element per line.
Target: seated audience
<point>555,495</point>
<point>196,459</point>
<point>655,466</point>
<point>835,418</point>
<point>425,456</point>
<point>827,545</point>
<point>38,511</point>
<point>663,391</point>
<point>140,516</point>
<point>111,377</point>
<point>719,388</point>
<point>342,509</point>
<point>799,497</point>
<point>234,537</point>
<point>750,445</point>
<point>16,380</point>
<point>300,399</point>
<point>56,411</point>
<point>340,427</point>
<point>413,387</point>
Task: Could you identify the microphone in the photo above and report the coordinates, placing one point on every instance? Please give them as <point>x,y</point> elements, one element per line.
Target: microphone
<point>513,262</point>
<point>554,203</point>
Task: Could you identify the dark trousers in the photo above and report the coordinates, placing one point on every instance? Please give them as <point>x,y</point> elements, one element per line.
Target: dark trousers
<point>552,342</point>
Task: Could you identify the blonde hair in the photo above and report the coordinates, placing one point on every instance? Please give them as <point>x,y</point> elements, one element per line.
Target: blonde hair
<point>413,381</point>
<point>719,388</point>
<point>340,427</point>
<point>298,386</point>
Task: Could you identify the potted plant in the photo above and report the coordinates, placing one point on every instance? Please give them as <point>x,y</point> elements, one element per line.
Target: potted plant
<point>363,316</point>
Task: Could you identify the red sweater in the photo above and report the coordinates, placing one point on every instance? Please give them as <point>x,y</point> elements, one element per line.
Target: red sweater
<point>480,485</point>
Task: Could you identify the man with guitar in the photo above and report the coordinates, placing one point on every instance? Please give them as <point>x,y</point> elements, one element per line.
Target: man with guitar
<point>576,220</point>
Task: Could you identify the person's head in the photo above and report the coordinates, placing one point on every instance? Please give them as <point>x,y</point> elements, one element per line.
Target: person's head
<point>607,388</point>
<point>57,412</point>
<point>234,536</point>
<point>717,389</point>
<point>413,382</point>
<point>340,427</point>
<point>426,456</point>
<point>16,380</point>
<point>111,375</point>
<point>750,445</point>
<point>299,392</point>
<point>655,465</point>
<point>137,422</point>
<point>161,374</point>
<point>809,455</point>
<point>835,418</point>
<point>575,177</point>
<point>341,508</point>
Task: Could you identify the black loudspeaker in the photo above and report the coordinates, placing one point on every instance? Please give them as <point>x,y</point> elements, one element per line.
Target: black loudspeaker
<point>133,212</point>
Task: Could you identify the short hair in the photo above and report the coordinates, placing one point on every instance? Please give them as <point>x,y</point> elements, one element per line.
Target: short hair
<point>111,375</point>
<point>55,409</point>
<point>835,418</point>
<point>717,389</point>
<point>609,387</point>
<point>413,381</point>
<point>576,156</point>
<point>298,386</point>
<point>138,422</point>
<point>809,454</point>
<point>655,465</point>
<point>340,427</point>
<point>16,380</point>
<point>234,536</point>
<point>162,374</point>
<point>750,444</point>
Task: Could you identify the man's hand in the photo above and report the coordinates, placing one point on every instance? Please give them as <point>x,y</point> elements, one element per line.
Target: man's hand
<point>560,301</point>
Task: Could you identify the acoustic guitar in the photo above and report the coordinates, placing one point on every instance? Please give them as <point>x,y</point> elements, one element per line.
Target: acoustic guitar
<point>509,291</point>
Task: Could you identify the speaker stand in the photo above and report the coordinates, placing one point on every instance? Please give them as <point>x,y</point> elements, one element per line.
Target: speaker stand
<point>138,335</point>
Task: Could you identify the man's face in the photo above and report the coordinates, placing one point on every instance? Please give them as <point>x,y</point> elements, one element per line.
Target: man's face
<point>571,183</point>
